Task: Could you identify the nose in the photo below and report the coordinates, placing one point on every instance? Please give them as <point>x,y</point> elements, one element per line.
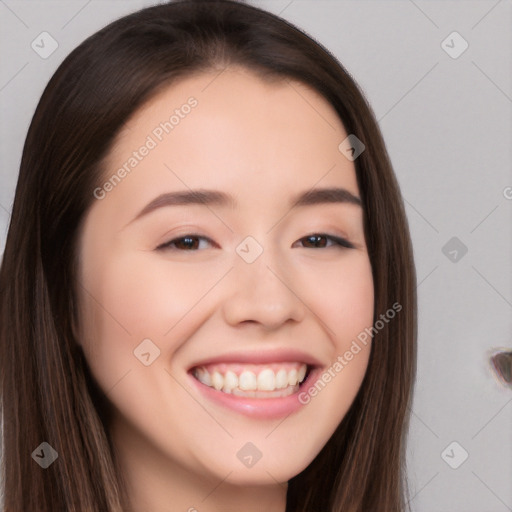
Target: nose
<point>263,292</point>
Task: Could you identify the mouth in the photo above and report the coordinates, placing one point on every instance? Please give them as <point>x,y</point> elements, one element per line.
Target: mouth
<point>260,384</point>
<point>261,381</point>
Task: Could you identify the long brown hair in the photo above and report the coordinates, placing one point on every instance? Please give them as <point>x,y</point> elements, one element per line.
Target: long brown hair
<point>47,392</point>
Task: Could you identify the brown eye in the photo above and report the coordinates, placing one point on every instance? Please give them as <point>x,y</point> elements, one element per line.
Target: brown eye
<point>183,243</point>
<point>319,241</point>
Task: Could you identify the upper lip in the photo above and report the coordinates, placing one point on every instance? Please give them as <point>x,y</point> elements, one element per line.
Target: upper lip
<point>261,356</point>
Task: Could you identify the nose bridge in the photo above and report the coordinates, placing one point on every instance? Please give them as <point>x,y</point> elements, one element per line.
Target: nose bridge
<point>261,289</point>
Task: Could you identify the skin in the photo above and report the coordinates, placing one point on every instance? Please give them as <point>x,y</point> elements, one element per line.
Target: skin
<point>262,143</point>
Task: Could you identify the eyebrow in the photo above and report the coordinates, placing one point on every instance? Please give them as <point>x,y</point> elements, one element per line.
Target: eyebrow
<point>218,198</point>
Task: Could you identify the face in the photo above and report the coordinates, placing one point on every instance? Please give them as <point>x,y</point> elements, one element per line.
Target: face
<point>199,317</point>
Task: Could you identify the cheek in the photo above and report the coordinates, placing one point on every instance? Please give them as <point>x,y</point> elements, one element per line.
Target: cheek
<point>142,297</point>
<point>342,294</point>
<point>130,297</point>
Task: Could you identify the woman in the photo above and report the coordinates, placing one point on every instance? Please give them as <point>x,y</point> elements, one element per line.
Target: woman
<point>270,368</point>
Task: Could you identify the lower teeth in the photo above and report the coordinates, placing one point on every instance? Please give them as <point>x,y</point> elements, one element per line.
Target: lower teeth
<point>264,394</point>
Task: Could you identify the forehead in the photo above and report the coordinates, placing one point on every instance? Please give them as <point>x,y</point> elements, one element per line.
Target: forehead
<point>232,130</point>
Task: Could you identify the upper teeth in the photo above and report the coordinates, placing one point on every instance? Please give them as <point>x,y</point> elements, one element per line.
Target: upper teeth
<point>268,379</point>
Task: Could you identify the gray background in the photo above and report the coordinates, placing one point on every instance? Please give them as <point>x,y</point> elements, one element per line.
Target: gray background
<point>447,125</point>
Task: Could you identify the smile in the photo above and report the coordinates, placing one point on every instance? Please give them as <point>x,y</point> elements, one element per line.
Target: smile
<point>253,380</point>
<point>259,384</point>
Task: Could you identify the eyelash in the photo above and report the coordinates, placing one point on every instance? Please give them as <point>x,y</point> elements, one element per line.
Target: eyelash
<point>342,243</point>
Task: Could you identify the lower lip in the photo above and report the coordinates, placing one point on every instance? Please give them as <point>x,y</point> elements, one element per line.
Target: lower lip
<point>263,408</point>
